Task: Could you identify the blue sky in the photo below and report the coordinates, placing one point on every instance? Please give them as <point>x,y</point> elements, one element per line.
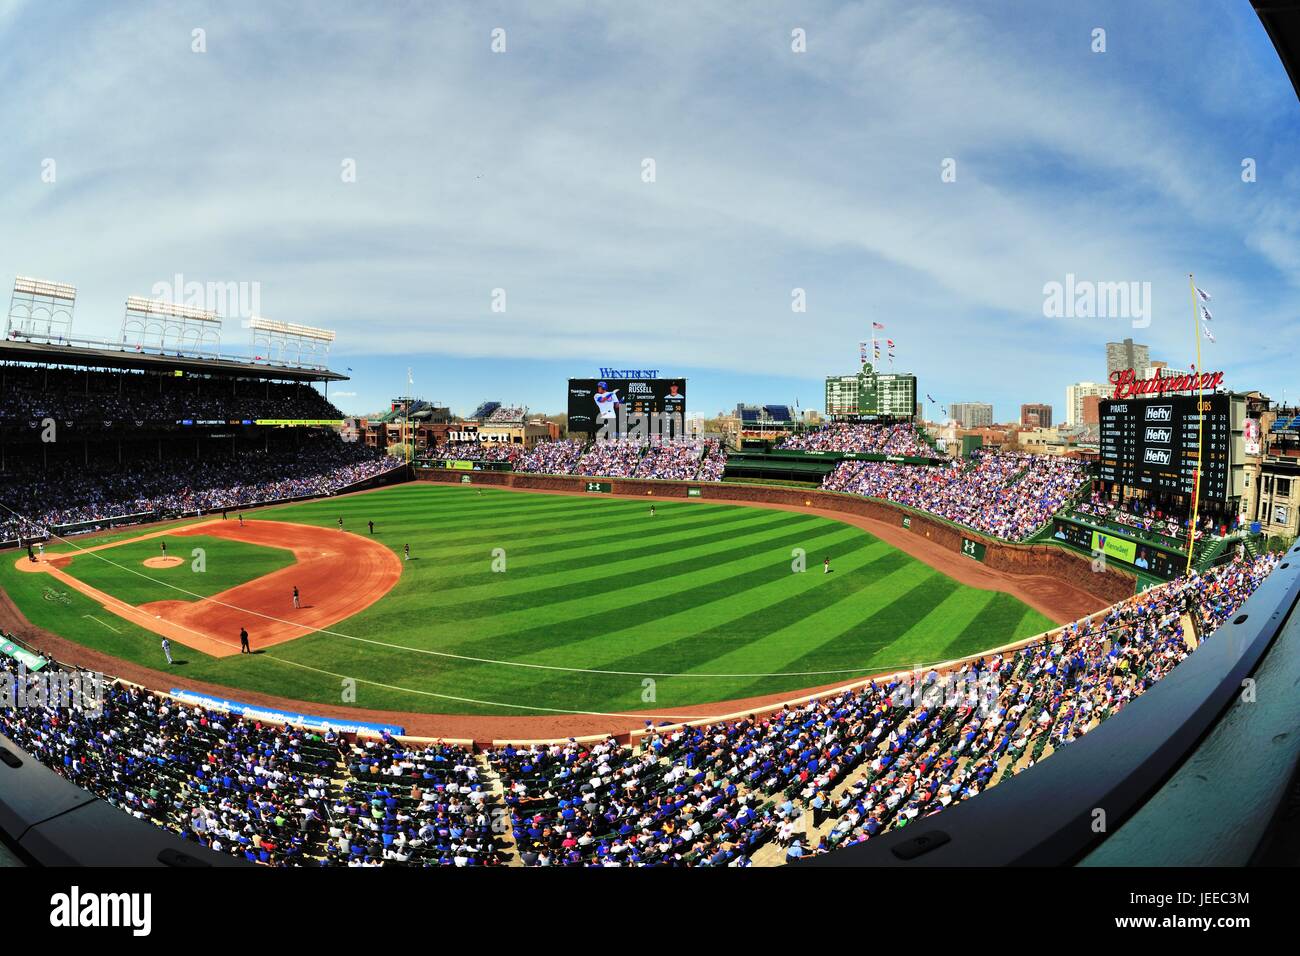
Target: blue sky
<point>775,171</point>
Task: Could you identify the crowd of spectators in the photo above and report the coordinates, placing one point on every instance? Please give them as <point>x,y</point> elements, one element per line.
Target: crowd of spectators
<point>37,499</point>
<point>675,459</point>
<point>478,451</point>
<point>616,458</point>
<point>552,457</point>
<point>269,793</point>
<point>1006,495</point>
<point>713,461</point>
<point>1150,518</point>
<point>811,777</point>
<point>100,400</point>
<point>898,439</point>
<point>507,415</point>
<point>870,760</point>
<point>1047,695</point>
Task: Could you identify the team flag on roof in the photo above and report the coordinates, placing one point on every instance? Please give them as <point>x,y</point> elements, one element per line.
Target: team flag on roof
<point>1206,312</point>
<point>1208,334</point>
<point>929,397</point>
<point>890,342</point>
<point>876,325</point>
<point>1205,296</point>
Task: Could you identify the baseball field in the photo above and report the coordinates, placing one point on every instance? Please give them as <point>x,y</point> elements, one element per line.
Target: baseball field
<point>513,603</point>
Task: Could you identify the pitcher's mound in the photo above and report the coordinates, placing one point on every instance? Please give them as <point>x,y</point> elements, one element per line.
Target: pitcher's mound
<point>160,562</point>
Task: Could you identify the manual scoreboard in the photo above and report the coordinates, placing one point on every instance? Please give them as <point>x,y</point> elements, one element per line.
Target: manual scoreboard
<point>1152,444</point>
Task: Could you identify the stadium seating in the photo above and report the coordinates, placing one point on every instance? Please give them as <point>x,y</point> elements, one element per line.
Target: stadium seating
<point>899,439</point>
<point>89,400</point>
<point>35,500</point>
<point>802,780</point>
<point>1008,496</point>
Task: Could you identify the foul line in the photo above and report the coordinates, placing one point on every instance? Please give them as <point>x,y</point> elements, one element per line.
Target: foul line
<point>861,671</point>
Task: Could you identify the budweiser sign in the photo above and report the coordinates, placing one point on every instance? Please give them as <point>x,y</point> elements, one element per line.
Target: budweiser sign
<point>1128,385</point>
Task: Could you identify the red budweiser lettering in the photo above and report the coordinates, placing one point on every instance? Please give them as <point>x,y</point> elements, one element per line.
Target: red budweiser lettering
<point>1128,385</point>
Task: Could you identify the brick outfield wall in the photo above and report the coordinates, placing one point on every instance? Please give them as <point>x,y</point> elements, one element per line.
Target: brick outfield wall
<point>1109,586</point>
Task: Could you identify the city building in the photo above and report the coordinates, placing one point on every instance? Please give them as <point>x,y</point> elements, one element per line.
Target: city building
<point>1126,354</point>
<point>1163,369</point>
<point>1036,416</point>
<point>1076,393</point>
<point>1271,476</point>
<point>972,414</point>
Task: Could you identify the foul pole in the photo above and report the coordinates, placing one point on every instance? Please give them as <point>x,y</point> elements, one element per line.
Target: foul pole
<point>1200,427</point>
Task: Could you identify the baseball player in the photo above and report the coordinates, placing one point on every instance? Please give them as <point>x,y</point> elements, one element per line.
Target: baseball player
<point>407,551</point>
<point>296,602</point>
<point>167,650</point>
<point>340,523</point>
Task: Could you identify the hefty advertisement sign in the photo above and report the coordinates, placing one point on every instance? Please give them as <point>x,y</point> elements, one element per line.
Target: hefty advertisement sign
<point>1157,456</point>
<point>1161,435</point>
<point>1160,413</point>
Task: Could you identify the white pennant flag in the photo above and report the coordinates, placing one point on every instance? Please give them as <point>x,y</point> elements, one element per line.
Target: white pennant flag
<point>1205,296</point>
<point>1208,334</point>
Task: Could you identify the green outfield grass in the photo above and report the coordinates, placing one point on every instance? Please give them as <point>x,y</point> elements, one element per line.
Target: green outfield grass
<point>698,603</point>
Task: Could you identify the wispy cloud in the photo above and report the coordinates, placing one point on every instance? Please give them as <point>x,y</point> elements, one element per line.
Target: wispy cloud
<point>522,171</point>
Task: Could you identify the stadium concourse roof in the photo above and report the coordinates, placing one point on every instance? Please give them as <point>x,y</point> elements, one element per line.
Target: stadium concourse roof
<point>43,353</point>
<point>1281,20</point>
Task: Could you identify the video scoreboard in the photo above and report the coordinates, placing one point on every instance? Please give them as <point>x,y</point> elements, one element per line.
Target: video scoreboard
<point>1152,444</point>
<point>593,402</point>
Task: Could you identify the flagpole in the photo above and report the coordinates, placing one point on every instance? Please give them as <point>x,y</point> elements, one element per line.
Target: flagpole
<point>1200,429</point>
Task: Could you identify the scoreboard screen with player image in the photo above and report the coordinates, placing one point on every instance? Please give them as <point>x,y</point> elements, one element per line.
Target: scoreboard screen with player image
<point>597,401</point>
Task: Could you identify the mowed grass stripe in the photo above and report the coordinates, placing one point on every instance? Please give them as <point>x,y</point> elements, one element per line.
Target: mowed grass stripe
<point>490,533</point>
<point>562,543</point>
<point>699,641</point>
<point>845,629</point>
<point>549,629</point>
<point>1002,620</point>
<point>577,554</point>
<point>465,510</point>
<point>560,564</point>
<point>700,585</point>
<point>718,560</point>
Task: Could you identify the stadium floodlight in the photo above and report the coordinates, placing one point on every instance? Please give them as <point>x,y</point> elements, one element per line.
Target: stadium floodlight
<point>288,343</point>
<point>41,310</point>
<point>170,327</point>
<point>135,303</point>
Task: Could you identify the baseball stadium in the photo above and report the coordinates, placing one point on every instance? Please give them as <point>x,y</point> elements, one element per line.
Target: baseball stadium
<point>245,624</point>
<point>510,613</point>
